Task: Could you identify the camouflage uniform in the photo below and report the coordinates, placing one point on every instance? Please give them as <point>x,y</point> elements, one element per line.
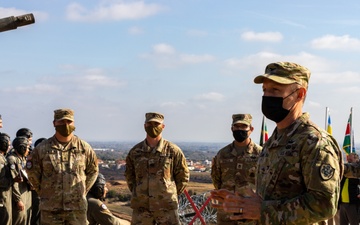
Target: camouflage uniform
<point>299,174</point>
<point>234,171</point>
<point>98,213</point>
<point>20,190</point>
<point>5,192</point>
<point>156,177</point>
<point>62,175</point>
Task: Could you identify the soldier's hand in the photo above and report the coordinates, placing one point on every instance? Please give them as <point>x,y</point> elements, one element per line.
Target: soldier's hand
<point>20,206</point>
<point>218,196</point>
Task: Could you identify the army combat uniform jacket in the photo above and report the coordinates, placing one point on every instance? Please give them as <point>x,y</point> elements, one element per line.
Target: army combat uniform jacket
<point>235,171</point>
<point>299,174</point>
<point>98,213</point>
<point>156,176</point>
<point>5,192</point>
<point>62,175</point>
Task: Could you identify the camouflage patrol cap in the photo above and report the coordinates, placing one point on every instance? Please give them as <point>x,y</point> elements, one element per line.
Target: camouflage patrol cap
<point>285,73</point>
<point>153,116</point>
<point>63,114</point>
<point>242,118</point>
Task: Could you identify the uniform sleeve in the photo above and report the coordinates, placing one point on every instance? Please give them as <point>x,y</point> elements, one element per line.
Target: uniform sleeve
<point>5,180</point>
<point>181,172</point>
<point>322,170</point>
<point>92,169</point>
<point>216,173</point>
<point>16,194</point>
<point>130,172</point>
<point>33,169</point>
<point>102,215</point>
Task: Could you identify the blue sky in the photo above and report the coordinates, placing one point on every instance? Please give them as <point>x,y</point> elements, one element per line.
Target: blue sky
<point>194,61</point>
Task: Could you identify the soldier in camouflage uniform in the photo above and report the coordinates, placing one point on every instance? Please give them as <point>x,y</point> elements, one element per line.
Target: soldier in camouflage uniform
<point>62,169</point>
<point>234,166</point>
<point>21,194</point>
<point>300,167</point>
<point>5,182</point>
<point>156,173</point>
<point>97,212</point>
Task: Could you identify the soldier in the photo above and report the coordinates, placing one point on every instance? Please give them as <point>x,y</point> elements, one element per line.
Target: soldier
<point>35,211</point>
<point>234,166</point>
<point>21,194</point>
<point>26,132</point>
<point>5,182</point>
<point>1,124</point>
<point>300,167</point>
<point>97,212</point>
<point>62,169</point>
<point>156,173</point>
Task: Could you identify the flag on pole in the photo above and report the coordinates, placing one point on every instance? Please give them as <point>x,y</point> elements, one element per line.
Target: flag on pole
<point>329,128</point>
<point>347,139</point>
<point>264,136</point>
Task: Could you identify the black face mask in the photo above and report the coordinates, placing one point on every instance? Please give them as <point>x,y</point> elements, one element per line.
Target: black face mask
<point>272,107</point>
<point>240,135</point>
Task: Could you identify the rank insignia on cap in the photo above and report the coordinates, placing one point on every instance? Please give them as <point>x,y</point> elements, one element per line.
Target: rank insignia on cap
<point>12,166</point>
<point>28,164</point>
<point>103,206</point>
<point>326,171</point>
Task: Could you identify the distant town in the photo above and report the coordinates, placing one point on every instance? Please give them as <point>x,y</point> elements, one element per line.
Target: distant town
<point>112,155</point>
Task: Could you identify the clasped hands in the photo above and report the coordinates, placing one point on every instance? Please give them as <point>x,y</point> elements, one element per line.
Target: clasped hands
<point>246,206</point>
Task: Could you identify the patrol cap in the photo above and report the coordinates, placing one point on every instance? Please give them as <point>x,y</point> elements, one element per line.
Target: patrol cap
<point>242,118</point>
<point>154,116</point>
<point>63,114</point>
<point>285,73</point>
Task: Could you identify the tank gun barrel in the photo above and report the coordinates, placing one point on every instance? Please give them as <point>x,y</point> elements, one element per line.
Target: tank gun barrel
<point>13,22</point>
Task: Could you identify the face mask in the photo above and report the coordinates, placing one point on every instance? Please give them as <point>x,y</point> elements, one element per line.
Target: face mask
<point>153,131</point>
<point>240,135</point>
<point>272,107</point>
<point>65,130</point>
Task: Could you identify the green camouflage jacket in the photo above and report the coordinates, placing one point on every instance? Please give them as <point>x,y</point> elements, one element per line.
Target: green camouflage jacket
<point>156,176</point>
<point>299,174</point>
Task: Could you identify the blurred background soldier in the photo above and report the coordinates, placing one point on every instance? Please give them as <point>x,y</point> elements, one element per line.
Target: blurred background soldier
<point>26,132</point>
<point>62,169</point>
<point>1,125</point>
<point>349,202</point>
<point>21,198</point>
<point>35,199</point>
<point>97,212</point>
<point>156,173</point>
<point>234,166</point>
<point>5,182</point>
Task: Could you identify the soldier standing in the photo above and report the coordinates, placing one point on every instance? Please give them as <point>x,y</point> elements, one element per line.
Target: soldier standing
<point>300,167</point>
<point>21,198</point>
<point>97,212</point>
<point>156,173</point>
<point>62,169</point>
<point>234,166</point>
<point>5,182</point>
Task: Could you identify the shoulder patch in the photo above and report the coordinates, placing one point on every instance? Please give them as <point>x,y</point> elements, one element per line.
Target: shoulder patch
<point>29,164</point>
<point>103,206</point>
<point>326,171</point>
<point>12,166</point>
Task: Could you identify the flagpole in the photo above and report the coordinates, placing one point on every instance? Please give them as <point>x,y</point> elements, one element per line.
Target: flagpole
<point>351,130</point>
<point>326,117</point>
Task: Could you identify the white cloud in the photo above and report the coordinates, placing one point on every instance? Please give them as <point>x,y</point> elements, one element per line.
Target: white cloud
<point>163,49</point>
<point>196,58</point>
<point>135,30</point>
<point>211,96</point>
<point>116,11</point>
<point>166,56</point>
<point>36,89</point>
<point>332,42</point>
<point>265,36</point>
<point>172,104</point>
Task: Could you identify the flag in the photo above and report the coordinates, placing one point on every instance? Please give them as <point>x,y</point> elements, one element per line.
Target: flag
<point>329,128</point>
<point>264,136</point>
<point>347,139</point>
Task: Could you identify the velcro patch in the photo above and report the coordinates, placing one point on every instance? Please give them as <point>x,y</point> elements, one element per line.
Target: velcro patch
<point>326,171</point>
<point>29,164</point>
<point>103,206</point>
<point>12,166</point>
